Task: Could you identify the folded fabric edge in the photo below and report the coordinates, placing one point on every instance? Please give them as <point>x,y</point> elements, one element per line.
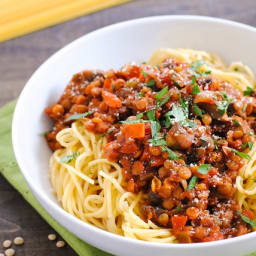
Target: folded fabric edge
<point>10,171</point>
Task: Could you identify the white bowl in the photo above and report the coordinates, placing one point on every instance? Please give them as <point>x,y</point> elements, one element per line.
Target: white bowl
<point>111,47</point>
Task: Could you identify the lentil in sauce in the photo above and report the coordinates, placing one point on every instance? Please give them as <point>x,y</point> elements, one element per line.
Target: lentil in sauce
<point>180,136</point>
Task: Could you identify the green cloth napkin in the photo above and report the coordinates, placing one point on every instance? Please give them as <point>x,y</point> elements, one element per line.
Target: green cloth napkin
<point>10,170</point>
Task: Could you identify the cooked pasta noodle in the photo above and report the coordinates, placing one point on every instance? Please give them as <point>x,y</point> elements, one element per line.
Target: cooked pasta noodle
<point>240,76</point>
<point>92,188</point>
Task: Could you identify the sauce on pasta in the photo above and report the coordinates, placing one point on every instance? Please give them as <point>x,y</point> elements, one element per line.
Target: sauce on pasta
<point>159,151</point>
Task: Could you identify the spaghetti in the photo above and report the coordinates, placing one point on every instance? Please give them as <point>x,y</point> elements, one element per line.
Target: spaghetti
<point>90,187</point>
<point>159,152</point>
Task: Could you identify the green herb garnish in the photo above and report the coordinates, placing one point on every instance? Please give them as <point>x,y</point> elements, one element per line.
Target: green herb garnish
<point>143,62</point>
<point>204,168</point>
<point>205,73</point>
<point>223,105</point>
<point>155,128</point>
<point>241,154</point>
<point>178,208</point>
<point>248,91</point>
<point>248,144</point>
<point>151,114</point>
<point>236,69</point>
<point>78,116</point>
<point>182,103</point>
<point>180,115</point>
<point>157,66</point>
<point>195,87</point>
<point>195,65</point>
<point>151,83</point>
<point>246,219</point>
<point>139,116</point>
<point>67,159</point>
<point>145,74</point>
<point>176,83</point>
<point>141,94</point>
<point>197,111</point>
<point>192,183</point>
<point>236,123</point>
<point>161,93</point>
<point>171,153</point>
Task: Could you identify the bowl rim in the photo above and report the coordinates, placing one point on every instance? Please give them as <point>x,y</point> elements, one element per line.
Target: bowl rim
<point>41,196</point>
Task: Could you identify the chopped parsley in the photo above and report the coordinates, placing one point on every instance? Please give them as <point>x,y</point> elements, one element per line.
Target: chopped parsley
<point>139,116</point>
<point>176,83</point>
<point>248,144</point>
<point>182,103</point>
<point>151,114</point>
<point>158,142</point>
<point>236,123</point>
<point>197,111</point>
<point>178,208</point>
<point>205,73</point>
<point>236,69</point>
<point>141,94</point>
<point>204,168</point>
<point>192,183</point>
<point>78,116</point>
<point>67,159</point>
<point>241,154</point>
<point>223,105</point>
<point>143,62</point>
<point>195,87</point>
<point>161,93</point>
<point>180,115</point>
<point>160,103</point>
<point>171,153</point>
<point>248,91</point>
<point>195,65</point>
<point>246,219</point>
<point>151,83</point>
<point>145,74</point>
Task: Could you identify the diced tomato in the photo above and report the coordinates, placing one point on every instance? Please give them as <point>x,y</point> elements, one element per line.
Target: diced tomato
<point>107,84</point>
<point>129,147</point>
<point>111,99</point>
<point>178,221</point>
<point>134,130</point>
<point>110,150</point>
<point>156,161</point>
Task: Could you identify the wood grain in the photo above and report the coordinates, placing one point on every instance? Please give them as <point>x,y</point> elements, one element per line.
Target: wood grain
<point>20,57</point>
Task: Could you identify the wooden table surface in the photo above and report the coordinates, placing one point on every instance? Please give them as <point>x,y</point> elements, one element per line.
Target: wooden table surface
<point>20,57</point>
